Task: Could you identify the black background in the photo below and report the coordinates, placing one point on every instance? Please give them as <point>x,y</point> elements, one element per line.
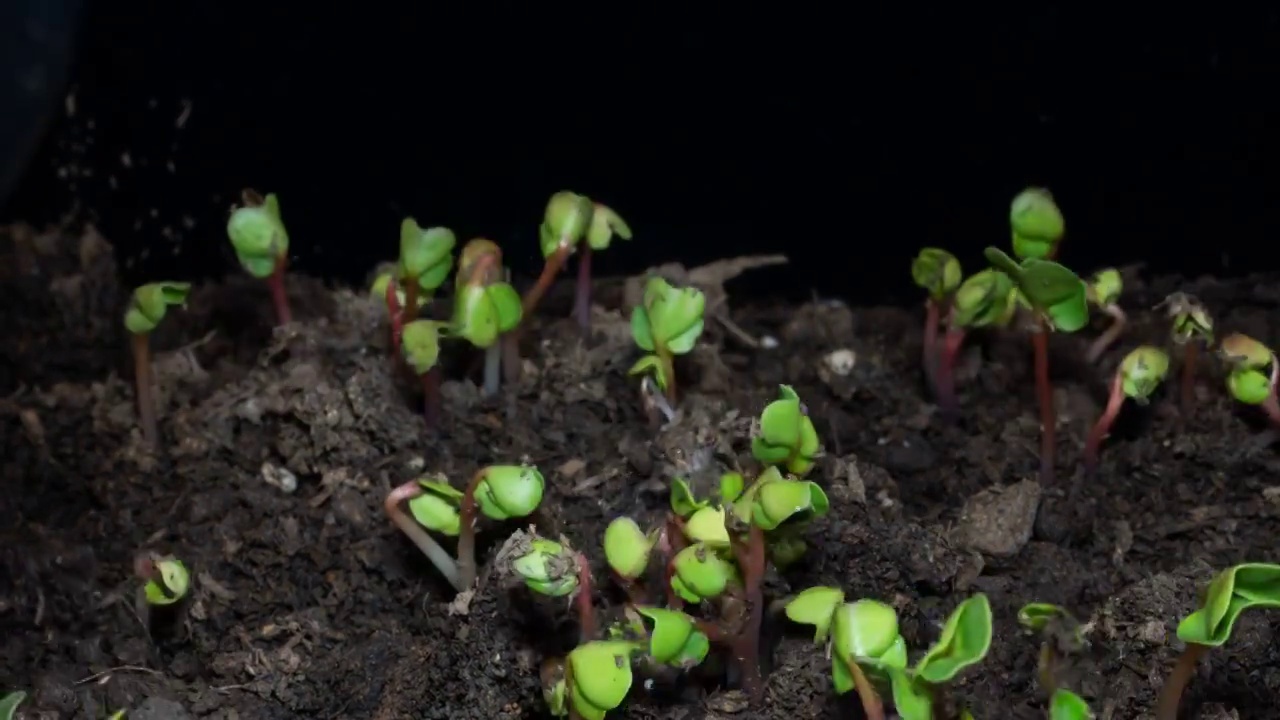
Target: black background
<point>844,137</point>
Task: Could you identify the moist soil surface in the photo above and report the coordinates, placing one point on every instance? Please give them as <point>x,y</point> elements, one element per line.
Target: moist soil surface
<point>280,444</point>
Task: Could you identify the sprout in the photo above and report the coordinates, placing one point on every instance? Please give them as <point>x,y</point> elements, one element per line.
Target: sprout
<point>421,352</point>
<point>9,704</point>
<point>938,272</point>
<point>964,642</point>
<point>667,323</point>
<point>1058,299</point>
<point>1253,373</point>
<point>985,299</point>
<point>486,308</point>
<point>1104,292</point>
<point>627,548</point>
<point>674,638</point>
<point>700,573</point>
<point>426,256</point>
<point>1036,223</point>
<point>262,245</point>
<point>1061,636</point>
<point>707,525</point>
<point>1191,326</point>
<point>117,715</point>
<point>1066,705</point>
<point>146,309</point>
<point>548,568</point>
<point>787,436</point>
<point>166,579</point>
<point>1232,591</point>
<point>570,223</point>
<point>1139,374</point>
<point>598,677</point>
<point>773,500</point>
<point>501,492</point>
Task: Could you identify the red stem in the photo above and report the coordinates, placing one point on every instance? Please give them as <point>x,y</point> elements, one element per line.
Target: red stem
<point>145,389</point>
<point>929,359</point>
<point>278,295</point>
<point>671,543</point>
<point>549,272</point>
<point>1271,407</point>
<point>1093,443</point>
<point>946,379</point>
<point>746,647</point>
<point>410,311</point>
<point>582,296</point>
<point>431,396</point>
<point>467,533</point>
<point>586,611</point>
<point>1190,353</point>
<point>393,312</point>
<point>872,706</point>
<point>1171,694</point>
<point>1044,391</point>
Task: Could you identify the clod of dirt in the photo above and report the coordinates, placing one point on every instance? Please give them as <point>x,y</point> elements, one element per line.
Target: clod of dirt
<point>998,521</point>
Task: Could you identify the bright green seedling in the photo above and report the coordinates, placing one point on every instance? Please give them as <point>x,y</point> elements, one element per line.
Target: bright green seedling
<point>627,549</point>
<point>701,573</point>
<point>1058,298</point>
<point>987,298</point>
<point>421,351</point>
<point>684,504</point>
<point>783,507</point>
<point>594,679</point>
<point>147,307</point>
<point>666,323</point>
<point>1066,705</point>
<point>1104,293</point>
<point>1253,373</point>
<point>787,437</point>
<point>9,704</point>
<point>673,638</point>
<point>1232,591</point>
<point>548,568</point>
<point>1060,637</point>
<point>502,492</point>
<point>573,223</point>
<point>1192,326</point>
<point>1036,224</point>
<point>938,273</point>
<point>964,642</point>
<point>165,579</point>
<point>262,245</point>
<point>486,309</point>
<point>426,257</point>
<point>1139,374</point>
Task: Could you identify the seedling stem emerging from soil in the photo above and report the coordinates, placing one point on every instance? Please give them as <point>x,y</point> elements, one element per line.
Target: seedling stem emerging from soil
<point>667,323</point>
<point>501,492</point>
<point>420,348</point>
<point>1139,374</point>
<point>986,299</point>
<point>938,272</point>
<point>1232,591</point>
<point>1104,292</point>
<point>485,311</point>
<point>1253,373</point>
<point>262,245</point>
<point>146,309</point>
<point>1192,326</point>
<point>426,256</point>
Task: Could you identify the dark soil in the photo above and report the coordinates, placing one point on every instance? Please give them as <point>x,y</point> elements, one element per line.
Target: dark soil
<point>308,604</point>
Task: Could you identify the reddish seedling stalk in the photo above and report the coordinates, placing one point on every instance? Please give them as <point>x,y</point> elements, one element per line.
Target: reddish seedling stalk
<point>1171,694</point>
<point>582,293</point>
<point>934,311</point>
<point>460,573</point>
<point>1190,357</point>
<point>1271,406</point>
<point>410,311</point>
<point>145,387</point>
<point>278,295</point>
<point>952,341</point>
<point>554,264</point>
<point>746,646</point>
<point>586,610</point>
<point>1093,443</point>
<point>1108,336</point>
<point>431,401</point>
<point>872,706</point>
<point>1044,393</point>
<point>393,313</point>
<point>467,533</point>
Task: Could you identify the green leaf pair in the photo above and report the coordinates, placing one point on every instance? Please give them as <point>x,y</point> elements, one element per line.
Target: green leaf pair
<point>684,504</point>
<point>570,218</point>
<point>507,491</point>
<point>1105,287</point>
<point>149,303</point>
<point>1051,289</point>
<point>787,436</point>
<point>773,500</point>
<point>674,638</point>
<point>420,344</point>
<point>937,271</point>
<point>170,583</point>
<point>1232,591</point>
<point>627,547</point>
<point>667,322</point>
<point>484,306</point>
<point>1252,368</point>
<point>1036,223</point>
<point>601,677</point>
<point>258,235</point>
<point>1142,371</point>
<point>548,568</point>
<point>426,256</point>
<point>701,573</point>
<point>988,298</point>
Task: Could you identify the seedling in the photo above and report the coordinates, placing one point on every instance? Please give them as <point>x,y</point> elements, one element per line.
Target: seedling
<point>938,272</point>
<point>1061,637</point>
<point>386,289</point>
<point>1103,292</point>
<point>1139,374</point>
<point>594,679</point>
<point>864,645</point>
<point>165,579</point>
<point>262,245</point>
<point>146,309</point>
<point>666,323</point>
<point>1058,299</point>
<point>1066,705</point>
<point>787,437</point>
<point>9,704</point>
<point>573,223</point>
<point>421,351</point>
<point>1232,591</point>
<point>486,309</point>
<point>1192,327</point>
<point>426,257</point>
<point>1037,225</point>
<point>987,298</point>
<point>502,492</point>
<point>627,549</point>
<point>1253,373</point>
